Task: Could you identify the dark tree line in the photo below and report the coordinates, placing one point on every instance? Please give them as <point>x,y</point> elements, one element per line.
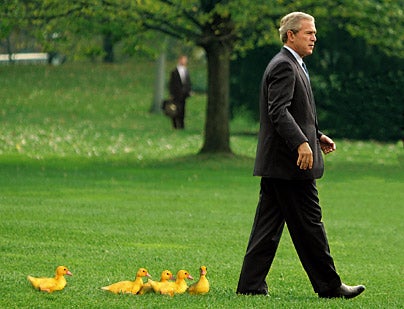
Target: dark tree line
<point>357,85</point>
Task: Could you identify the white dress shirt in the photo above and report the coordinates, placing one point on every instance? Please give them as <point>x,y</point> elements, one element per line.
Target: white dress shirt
<point>182,70</point>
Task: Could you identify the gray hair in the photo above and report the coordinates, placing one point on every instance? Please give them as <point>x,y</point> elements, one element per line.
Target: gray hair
<point>292,22</point>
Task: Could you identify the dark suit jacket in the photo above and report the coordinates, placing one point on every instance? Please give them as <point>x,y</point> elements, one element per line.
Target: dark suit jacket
<point>287,119</point>
<point>178,90</point>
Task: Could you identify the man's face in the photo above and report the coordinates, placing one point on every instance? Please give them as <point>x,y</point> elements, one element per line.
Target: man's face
<point>303,41</point>
<point>183,61</point>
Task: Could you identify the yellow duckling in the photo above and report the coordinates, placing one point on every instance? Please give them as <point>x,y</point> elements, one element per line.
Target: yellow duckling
<point>202,286</point>
<point>132,287</point>
<point>179,286</point>
<point>155,286</point>
<point>51,284</point>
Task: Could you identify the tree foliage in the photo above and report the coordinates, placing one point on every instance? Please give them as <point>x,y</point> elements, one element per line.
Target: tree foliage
<point>379,22</point>
<point>356,69</point>
<point>11,13</point>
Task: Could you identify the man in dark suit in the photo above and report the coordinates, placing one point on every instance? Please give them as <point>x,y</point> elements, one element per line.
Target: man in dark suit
<point>180,90</point>
<point>289,160</point>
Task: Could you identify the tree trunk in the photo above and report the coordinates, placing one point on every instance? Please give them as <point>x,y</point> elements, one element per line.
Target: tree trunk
<point>9,50</point>
<point>217,132</point>
<point>108,45</point>
<point>159,83</point>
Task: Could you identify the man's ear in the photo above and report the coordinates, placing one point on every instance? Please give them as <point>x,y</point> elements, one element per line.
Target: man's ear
<point>291,35</point>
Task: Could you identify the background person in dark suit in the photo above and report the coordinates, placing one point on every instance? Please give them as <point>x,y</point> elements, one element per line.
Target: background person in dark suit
<point>289,160</point>
<point>180,90</point>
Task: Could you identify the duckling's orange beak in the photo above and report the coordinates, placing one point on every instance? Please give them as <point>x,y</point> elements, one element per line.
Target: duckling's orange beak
<point>148,275</point>
<point>69,273</point>
<point>190,277</point>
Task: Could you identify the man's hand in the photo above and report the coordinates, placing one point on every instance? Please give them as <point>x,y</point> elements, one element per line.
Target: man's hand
<point>305,159</point>
<point>327,144</point>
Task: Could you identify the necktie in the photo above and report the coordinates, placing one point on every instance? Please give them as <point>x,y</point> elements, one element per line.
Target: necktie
<point>305,70</point>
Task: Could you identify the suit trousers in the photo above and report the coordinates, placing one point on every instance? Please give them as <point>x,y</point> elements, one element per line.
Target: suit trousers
<point>296,203</point>
<point>178,121</point>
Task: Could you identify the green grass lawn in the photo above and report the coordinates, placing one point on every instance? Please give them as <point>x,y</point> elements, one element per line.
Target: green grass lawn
<point>93,181</point>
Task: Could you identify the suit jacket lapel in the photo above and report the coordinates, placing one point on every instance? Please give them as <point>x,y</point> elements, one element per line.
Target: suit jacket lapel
<point>300,71</point>
<point>306,81</point>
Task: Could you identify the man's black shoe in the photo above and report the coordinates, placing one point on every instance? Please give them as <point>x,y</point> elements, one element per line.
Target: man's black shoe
<point>344,291</point>
<point>260,292</point>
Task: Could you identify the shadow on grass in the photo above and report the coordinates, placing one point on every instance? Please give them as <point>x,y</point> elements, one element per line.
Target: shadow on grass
<point>337,171</point>
<point>18,166</point>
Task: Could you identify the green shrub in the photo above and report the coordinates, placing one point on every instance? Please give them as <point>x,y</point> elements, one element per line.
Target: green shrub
<point>357,90</point>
